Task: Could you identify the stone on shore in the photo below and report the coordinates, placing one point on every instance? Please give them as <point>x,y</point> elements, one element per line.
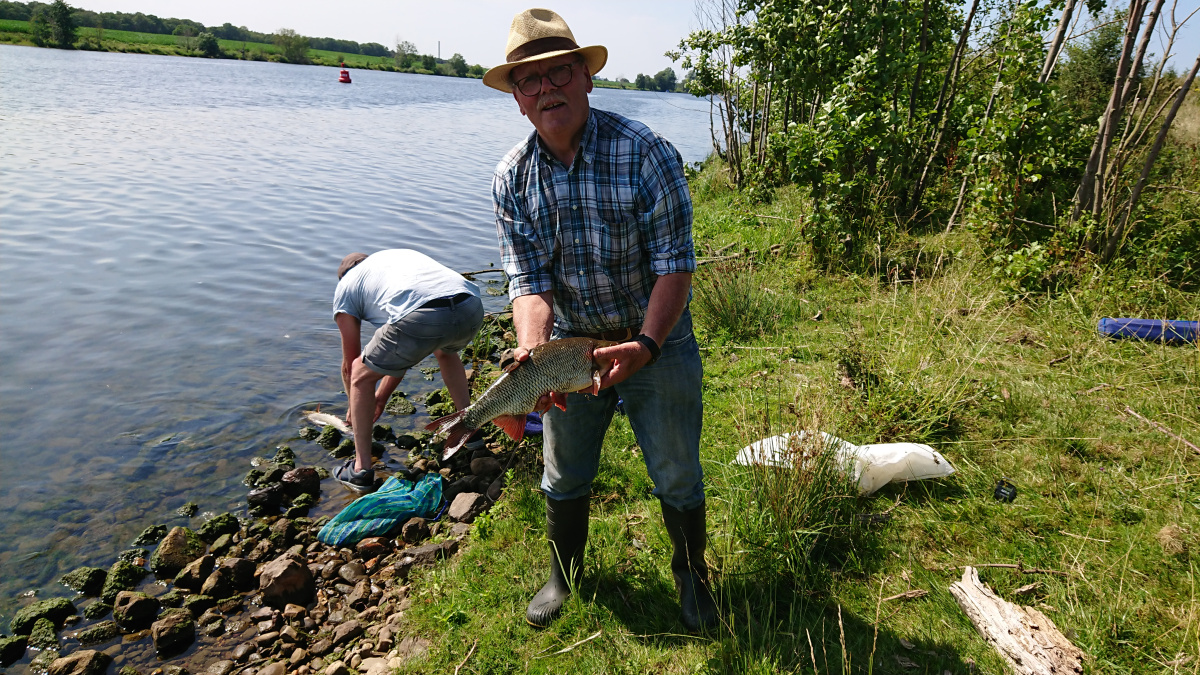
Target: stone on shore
<point>180,547</point>
<point>151,535</point>
<point>122,576</point>
<point>226,523</point>
<point>286,580</point>
<point>173,632</point>
<point>43,635</point>
<point>233,575</point>
<point>133,610</point>
<point>12,649</point>
<point>304,480</point>
<point>192,576</point>
<point>55,609</point>
<point>98,633</point>
<point>82,662</point>
<point>86,580</point>
<point>466,506</point>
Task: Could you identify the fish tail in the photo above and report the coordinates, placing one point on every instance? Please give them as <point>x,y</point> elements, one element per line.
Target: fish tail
<point>456,431</point>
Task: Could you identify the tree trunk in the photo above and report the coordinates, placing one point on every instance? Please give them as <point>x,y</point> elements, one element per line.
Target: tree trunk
<point>753,114</point>
<point>766,123</point>
<point>1136,66</point>
<point>1114,239</point>
<point>1060,35</point>
<point>916,85</point>
<point>987,114</point>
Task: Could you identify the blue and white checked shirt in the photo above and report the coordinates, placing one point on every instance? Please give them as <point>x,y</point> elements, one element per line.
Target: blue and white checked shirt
<point>600,232</point>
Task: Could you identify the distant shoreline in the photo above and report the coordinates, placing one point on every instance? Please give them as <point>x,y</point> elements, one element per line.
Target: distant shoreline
<point>14,32</point>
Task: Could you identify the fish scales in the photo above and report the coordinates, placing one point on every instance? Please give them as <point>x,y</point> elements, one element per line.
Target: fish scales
<point>558,365</point>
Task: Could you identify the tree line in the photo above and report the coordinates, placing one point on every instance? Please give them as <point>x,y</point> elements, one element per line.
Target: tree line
<point>1041,124</point>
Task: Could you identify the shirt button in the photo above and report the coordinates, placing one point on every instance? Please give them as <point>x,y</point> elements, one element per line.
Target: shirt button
<point>580,272</point>
<point>576,241</point>
<point>586,302</point>
<point>574,207</point>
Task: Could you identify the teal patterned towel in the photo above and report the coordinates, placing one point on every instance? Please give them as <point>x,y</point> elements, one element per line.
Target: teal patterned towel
<point>384,511</point>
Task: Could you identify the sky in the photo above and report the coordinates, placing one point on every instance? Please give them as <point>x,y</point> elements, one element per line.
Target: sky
<point>637,33</point>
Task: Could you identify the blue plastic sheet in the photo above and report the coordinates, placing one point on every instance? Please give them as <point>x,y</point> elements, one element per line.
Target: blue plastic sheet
<point>1154,330</point>
<point>383,512</point>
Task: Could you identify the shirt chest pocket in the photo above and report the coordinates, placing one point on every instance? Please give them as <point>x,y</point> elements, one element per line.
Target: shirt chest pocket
<point>615,235</point>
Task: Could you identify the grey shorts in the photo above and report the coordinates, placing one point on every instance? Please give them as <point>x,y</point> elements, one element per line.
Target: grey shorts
<point>399,346</point>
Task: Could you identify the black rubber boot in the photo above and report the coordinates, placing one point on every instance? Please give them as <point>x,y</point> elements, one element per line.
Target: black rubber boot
<point>687,530</point>
<point>567,530</point>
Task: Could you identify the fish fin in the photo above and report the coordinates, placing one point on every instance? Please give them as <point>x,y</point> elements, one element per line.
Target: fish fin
<point>513,425</point>
<point>596,383</point>
<point>444,423</point>
<point>455,440</point>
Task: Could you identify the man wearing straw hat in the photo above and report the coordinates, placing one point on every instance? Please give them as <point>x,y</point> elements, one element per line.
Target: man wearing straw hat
<point>595,228</point>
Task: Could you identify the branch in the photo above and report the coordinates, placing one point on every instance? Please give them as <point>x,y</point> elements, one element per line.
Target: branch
<point>1163,429</point>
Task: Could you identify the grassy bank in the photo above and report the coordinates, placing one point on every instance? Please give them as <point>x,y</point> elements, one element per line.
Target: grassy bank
<point>934,353</point>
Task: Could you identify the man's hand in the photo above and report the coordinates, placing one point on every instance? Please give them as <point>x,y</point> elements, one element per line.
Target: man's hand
<point>619,362</point>
<point>521,355</point>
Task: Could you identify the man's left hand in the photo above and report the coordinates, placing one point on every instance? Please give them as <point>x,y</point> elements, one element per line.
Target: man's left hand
<point>619,362</point>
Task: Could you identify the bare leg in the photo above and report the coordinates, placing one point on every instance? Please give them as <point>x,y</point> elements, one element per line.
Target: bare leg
<point>455,377</point>
<point>362,411</point>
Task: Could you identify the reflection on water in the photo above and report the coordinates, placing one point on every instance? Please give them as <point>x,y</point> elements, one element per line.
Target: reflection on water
<point>170,233</point>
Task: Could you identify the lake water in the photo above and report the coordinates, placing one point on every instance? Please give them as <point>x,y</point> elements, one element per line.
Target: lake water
<point>170,230</point>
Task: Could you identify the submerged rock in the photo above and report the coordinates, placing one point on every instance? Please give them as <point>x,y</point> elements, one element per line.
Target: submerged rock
<point>188,510</point>
<point>135,556</point>
<point>180,547</point>
<point>343,450</point>
<point>12,649</point>
<point>309,433</point>
<point>85,580</point>
<point>99,633</point>
<point>151,535</point>
<point>97,610</point>
<point>215,527</point>
<point>82,662</point>
<point>43,635</point>
<point>122,576</point>
<point>329,437</point>
<point>56,610</point>
<point>284,456</point>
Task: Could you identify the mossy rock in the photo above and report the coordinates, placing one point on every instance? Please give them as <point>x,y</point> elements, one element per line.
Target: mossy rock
<point>435,397</point>
<point>398,405</point>
<point>41,662</point>
<point>381,432</point>
<point>86,580</point>
<point>97,610</point>
<point>56,610</point>
<point>151,535</point>
<point>122,576</point>
<point>222,545</point>
<point>197,604</point>
<point>345,449</point>
<point>407,441</point>
<point>129,670</point>
<point>188,510</point>
<point>12,649</point>
<point>259,529</point>
<point>284,457</point>
<point>441,409</point>
<point>329,438</point>
<point>305,500</point>
<point>43,635</point>
<point>131,555</point>
<point>252,478</point>
<point>171,598</point>
<point>310,433</point>
<point>99,633</point>
<point>180,547</point>
<point>226,523</point>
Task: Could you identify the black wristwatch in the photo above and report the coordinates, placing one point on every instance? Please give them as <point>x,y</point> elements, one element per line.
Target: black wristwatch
<point>649,343</point>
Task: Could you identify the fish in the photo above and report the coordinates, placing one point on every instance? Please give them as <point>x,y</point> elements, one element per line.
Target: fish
<point>566,365</point>
<point>326,420</point>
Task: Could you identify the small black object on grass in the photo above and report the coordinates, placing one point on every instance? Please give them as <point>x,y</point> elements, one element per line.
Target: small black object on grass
<point>1005,491</point>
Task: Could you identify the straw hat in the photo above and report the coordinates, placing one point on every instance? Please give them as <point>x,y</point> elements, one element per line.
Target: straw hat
<point>538,34</point>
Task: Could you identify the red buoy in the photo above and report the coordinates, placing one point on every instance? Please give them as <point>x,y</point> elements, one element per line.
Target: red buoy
<point>344,76</point>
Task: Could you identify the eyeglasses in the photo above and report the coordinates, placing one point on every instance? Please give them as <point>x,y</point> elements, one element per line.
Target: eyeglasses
<point>559,76</point>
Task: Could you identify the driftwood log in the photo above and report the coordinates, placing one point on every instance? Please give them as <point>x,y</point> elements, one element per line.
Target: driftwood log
<point>1025,637</point>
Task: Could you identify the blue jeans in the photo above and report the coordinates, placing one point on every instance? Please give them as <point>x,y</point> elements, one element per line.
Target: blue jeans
<point>665,409</point>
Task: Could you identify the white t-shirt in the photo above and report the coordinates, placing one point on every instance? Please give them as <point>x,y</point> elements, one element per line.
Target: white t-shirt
<point>388,285</point>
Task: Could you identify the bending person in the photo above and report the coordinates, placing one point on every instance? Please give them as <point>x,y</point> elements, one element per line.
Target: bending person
<point>419,307</point>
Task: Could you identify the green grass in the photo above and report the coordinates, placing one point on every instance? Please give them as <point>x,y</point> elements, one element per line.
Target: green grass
<point>950,361</point>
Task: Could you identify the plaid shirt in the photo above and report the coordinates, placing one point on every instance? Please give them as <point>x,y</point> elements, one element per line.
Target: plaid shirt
<point>600,232</point>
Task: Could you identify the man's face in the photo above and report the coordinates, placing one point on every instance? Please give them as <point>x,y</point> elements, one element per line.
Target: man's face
<point>558,113</point>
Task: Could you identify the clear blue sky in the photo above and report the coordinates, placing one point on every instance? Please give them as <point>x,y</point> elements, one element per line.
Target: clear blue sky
<point>636,33</point>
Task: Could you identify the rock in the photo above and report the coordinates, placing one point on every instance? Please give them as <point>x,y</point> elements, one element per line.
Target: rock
<point>129,670</point>
<point>172,598</point>
<point>415,530</point>
<point>353,572</point>
<point>192,576</point>
<point>309,433</point>
<point>215,527</point>
<point>180,547</point>
<point>321,647</point>
<point>223,667</point>
<point>464,484</point>
<point>329,438</point>
<point>346,631</point>
<point>82,662</point>
<point>282,533</point>
<point>298,657</point>
<point>286,580</point>
<point>427,554</point>
<point>265,640</point>
<point>41,663</point>
<point>12,649</point>
<point>290,635</point>
<point>274,668</point>
<point>174,670</point>
<point>135,556</point>
<point>222,545</point>
<point>199,604</point>
<point>466,506</point>
<point>122,576</point>
<point>460,530</point>
<point>86,580</point>
<point>411,648</point>
<point>267,497</point>
<point>486,466</point>
<point>98,633</point>
<point>262,551</point>
<point>495,489</point>
<point>173,632</point>
<point>304,480</point>
<point>407,441</point>
<point>337,668</point>
<point>96,610</point>
<point>373,666</point>
<point>151,535</point>
<point>55,609</point>
<point>373,547</point>
<point>133,610</point>
<point>43,635</point>
<point>293,612</point>
<point>242,651</point>
<point>188,510</point>
<point>358,597</point>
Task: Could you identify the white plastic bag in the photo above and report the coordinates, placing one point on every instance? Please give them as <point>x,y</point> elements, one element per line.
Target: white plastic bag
<point>871,466</point>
